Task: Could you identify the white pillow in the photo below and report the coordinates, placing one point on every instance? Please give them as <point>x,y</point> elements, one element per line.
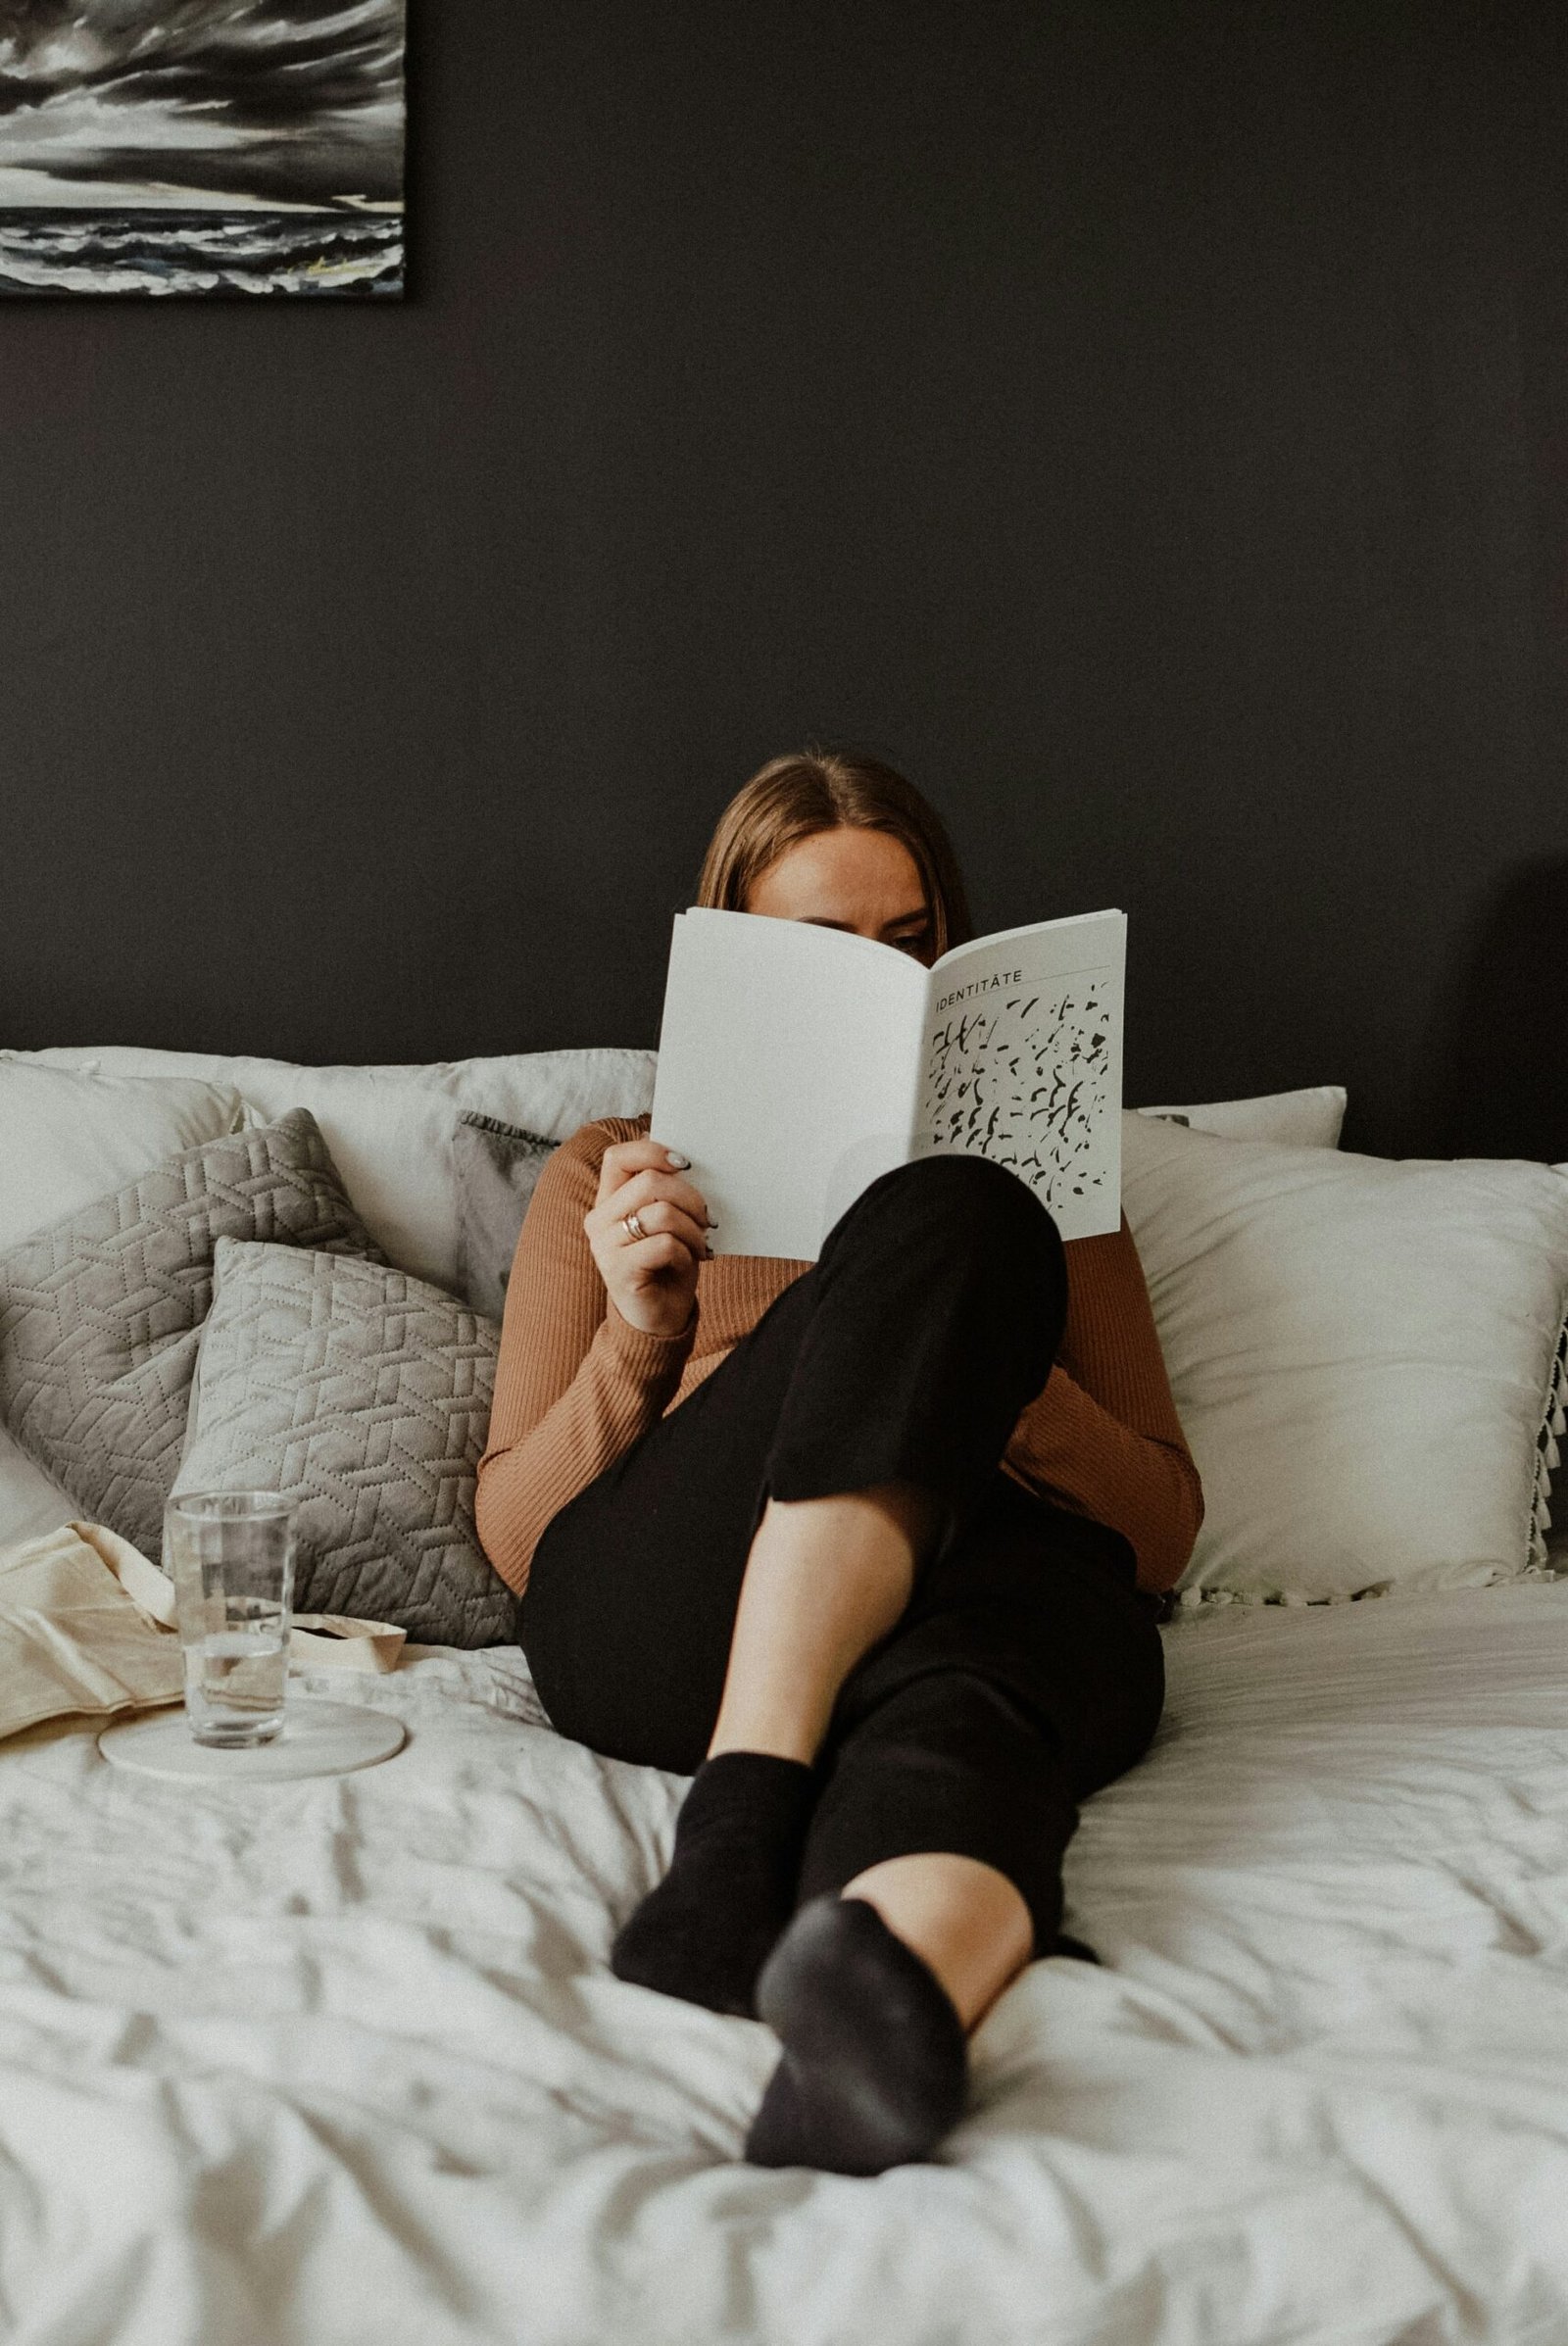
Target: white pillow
<point>66,1138</point>
<point>1307,1119</point>
<point>1367,1357</point>
<point>390,1128</point>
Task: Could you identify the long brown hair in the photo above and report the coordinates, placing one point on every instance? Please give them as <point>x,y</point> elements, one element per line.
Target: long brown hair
<point>792,797</point>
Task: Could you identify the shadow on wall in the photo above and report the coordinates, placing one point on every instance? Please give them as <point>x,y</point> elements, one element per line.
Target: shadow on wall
<point>1499,1073</point>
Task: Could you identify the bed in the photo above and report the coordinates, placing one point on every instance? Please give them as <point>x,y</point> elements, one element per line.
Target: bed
<point>343,2061</point>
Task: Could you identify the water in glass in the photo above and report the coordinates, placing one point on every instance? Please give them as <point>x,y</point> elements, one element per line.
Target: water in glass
<point>235,1677</point>
<point>231,1554</point>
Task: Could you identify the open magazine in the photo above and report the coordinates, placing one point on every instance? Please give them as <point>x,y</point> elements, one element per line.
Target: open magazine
<point>797,1063</point>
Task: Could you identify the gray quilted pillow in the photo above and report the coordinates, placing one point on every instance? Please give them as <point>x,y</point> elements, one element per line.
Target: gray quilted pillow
<point>495,1169</point>
<point>100,1314</point>
<point>363,1394</point>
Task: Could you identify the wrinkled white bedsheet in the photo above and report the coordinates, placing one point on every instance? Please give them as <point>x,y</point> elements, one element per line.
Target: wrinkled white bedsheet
<point>343,2062</point>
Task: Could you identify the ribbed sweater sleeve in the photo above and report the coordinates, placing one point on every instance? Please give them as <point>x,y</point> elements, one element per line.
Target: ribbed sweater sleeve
<point>575,1384</point>
<point>1103,1438</point>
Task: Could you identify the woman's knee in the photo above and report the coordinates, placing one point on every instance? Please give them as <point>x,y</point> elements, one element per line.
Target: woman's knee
<point>958,1203</point>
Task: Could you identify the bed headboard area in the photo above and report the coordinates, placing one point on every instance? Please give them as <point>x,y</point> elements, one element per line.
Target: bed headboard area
<point>1145,427</point>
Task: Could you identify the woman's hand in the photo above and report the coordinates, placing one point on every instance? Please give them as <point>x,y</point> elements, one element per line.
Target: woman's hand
<point>652,1279</point>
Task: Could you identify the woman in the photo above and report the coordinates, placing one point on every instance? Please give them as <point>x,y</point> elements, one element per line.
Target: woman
<point>860,1542</point>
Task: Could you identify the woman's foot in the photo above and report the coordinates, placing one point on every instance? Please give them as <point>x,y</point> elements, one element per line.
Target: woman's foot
<point>876,2060</point>
<point>705,1931</point>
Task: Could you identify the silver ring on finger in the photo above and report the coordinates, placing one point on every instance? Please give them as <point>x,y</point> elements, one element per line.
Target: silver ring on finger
<point>632,1225</point>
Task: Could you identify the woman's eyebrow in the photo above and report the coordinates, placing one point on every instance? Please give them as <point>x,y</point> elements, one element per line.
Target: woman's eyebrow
<point>900,920</point>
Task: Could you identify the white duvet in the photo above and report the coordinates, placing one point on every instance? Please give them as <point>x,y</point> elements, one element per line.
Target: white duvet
<point>343,2062</point>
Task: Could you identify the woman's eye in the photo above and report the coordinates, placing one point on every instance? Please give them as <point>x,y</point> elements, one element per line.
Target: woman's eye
<point>914,943</point>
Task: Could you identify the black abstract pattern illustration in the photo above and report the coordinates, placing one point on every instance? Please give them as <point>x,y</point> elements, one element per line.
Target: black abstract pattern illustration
<point>1026,1081</point>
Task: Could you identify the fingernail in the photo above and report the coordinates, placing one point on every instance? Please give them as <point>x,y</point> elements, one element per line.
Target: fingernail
<point>677,1161</point>
<point>711,1224</point>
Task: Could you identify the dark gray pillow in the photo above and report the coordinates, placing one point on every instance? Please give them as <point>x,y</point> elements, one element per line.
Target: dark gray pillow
<point>495,1168</point>
<point>100,1314</point>
<point>364,1395</point>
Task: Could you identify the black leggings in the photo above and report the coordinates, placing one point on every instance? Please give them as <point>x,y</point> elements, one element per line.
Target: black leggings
<point>1024,1673</point>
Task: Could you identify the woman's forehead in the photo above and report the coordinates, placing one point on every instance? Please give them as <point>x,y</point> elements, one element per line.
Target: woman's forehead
<point>847,861</point>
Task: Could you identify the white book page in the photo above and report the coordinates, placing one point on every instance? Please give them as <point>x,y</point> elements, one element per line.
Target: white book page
<point>788,1066</point>
<point>1022,1062</point>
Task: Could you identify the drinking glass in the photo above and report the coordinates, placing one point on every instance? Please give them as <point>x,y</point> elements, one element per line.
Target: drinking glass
<point>231,1556</point>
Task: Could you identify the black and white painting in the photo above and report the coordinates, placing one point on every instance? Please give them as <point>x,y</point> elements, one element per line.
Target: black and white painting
<point>201,147</point>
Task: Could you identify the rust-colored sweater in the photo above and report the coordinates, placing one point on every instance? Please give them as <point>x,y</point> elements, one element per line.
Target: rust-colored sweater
<point>577,1385</point>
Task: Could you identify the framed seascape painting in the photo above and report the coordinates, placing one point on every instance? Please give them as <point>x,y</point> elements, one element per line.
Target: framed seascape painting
<point>201,147</point>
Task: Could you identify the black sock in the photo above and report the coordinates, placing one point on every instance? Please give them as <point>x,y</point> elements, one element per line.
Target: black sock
<point>875,2060</point>
<point>705,1931</point>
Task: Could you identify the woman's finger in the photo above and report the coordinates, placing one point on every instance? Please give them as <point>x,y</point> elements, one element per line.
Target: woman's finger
<point>644,1187</point>
<point>645,1258</point>
<point>667,1219</point>
<point>627,1157</point>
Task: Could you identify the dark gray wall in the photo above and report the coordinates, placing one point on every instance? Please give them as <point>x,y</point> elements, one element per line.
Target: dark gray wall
<point>1149,425</point>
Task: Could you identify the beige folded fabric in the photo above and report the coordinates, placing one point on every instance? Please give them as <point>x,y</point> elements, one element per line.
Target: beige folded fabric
<point>332,1639</point>
<point>322,1639</point>
<point>88,1628</point>
<point>72,1638</point>
<point>150,1589</point>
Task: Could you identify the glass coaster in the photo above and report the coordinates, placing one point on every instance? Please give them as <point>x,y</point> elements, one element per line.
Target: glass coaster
<point>318,1739</point>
